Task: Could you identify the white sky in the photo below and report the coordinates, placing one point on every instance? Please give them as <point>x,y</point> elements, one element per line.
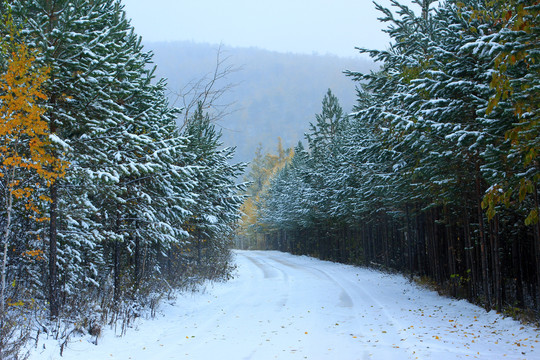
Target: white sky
<point>298,26</point>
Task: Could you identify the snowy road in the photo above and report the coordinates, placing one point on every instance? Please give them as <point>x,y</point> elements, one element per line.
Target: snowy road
<point>281,306</point>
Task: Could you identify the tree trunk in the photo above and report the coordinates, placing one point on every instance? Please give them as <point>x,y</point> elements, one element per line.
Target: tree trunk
<point>137,261</point>
<point>409,238</point>
<point>116,260</point>
<point>469,256</point>
<point>9,207</point>
<point>385,235</point>
<point>451,254</point>
<point>420,244</point>
<point>199,250</point>
<point>518,273</point>
<point>537,257</point>
<point>497,284</point>
<point>483,250</point>
<point>53,270</point>
<point>431,239</point>
<point>536,237</point>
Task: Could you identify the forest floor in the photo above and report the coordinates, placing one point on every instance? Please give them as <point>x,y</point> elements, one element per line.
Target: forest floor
<point>280,306</point>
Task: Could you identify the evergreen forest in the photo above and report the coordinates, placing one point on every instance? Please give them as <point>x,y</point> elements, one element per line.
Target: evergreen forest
<point>107,205</point>
<point>435,173</point>
<point>113,199</point>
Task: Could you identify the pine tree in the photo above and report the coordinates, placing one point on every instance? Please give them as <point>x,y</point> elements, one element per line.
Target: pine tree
<point>114,126</point>
<point>215,211</point>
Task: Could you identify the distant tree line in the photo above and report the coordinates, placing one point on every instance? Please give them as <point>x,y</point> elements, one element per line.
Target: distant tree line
<point>436,172</point>
<point>106,205</point>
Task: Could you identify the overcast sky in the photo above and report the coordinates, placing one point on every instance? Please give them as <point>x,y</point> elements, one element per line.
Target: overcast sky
<point>298,26</point>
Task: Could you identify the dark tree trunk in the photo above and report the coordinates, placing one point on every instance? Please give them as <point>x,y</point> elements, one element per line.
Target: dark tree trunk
<point>451,254</point>
<point>53,249</point>
<point>497,284</point>
<point>536,237</point>
<point>409,239</point>
<point>518,273</point>
<point>421,243</point>
<point>137,261</point>
<point>483,250</point>
<point>116,270</point>
<point>469,256</point>
<point>199,250</point>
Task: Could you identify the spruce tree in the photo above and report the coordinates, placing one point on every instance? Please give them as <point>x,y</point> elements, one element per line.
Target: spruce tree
<point>115,128</point>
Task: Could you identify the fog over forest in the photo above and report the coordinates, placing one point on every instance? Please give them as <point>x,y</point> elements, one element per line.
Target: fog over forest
<point>273,94</point>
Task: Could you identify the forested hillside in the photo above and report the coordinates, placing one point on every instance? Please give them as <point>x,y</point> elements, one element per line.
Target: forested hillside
<point>107,206</point>
<point>436,173</point>
<point>273,94</point>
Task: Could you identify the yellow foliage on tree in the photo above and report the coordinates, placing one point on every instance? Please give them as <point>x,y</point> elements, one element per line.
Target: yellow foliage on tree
<point>24,134</point>
<point>263,170</point>
<point>25,147</point>
<point>249,214</point>
<point>520,20</point>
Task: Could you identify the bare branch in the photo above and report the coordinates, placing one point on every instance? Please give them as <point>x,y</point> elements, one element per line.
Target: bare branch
<point>208,91</point>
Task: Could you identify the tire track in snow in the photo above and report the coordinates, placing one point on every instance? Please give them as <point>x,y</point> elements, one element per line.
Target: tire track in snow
<point>346,300</point>
<point>224,319</point>
<point>348,316</point>
<point>269,272</point>
<point>315,291</point>
<point>264,269</point>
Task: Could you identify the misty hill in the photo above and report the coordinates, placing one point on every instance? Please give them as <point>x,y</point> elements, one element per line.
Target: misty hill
<point>275,95</point>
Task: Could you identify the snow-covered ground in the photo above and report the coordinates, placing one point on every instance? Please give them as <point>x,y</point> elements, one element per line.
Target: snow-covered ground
<point>281,306</point>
